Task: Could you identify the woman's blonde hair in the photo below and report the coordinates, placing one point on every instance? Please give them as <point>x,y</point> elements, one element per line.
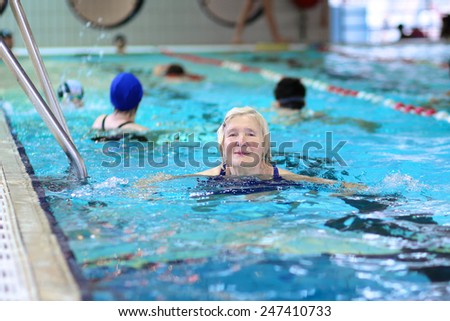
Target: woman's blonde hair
<point>246,111</point>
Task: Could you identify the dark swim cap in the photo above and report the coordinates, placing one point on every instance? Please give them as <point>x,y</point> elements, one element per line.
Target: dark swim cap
<point>290,93</point>
<point>175,70</point>
<point>5,33</point>
<point>126,92</point>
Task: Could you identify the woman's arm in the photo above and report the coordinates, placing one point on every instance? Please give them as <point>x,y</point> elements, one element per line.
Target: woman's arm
<point>317,180</point>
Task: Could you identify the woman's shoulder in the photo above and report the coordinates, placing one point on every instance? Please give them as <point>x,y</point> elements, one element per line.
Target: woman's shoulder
<point>215,171</point>
<point>98,122</point>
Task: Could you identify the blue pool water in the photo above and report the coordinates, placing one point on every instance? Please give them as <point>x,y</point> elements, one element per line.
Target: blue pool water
<point>136,236</point>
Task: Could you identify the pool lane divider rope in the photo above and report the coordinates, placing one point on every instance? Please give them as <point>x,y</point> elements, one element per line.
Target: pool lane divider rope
<point>316,84</point>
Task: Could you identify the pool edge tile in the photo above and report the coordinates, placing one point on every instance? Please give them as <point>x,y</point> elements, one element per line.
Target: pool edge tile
<point>43,265</point>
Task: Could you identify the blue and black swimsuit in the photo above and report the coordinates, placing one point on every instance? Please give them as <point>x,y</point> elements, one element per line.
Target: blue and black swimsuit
<point>276,173</point>
<point>117,137</point>
<point>234,185</point>
<point>120,126</point>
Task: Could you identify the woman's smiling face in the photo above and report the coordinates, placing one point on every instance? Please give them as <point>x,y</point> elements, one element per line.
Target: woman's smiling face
<point>243,144</point>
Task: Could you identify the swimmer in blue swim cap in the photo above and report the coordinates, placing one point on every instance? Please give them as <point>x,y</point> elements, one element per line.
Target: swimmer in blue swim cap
<point>125,93</point>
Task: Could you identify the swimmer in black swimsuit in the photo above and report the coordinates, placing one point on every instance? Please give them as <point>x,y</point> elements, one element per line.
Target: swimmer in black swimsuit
<point>244,142</point>
<point>126,94</point>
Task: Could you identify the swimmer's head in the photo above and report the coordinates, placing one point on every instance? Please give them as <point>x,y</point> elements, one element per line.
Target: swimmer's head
<point>290,93</point>
<point>71,91</point>
<point>7,37</point>
<point>120,41</point>
<point>126,92</point>
<point>5,33</point>
<point>175,70</point>
<point>261,121</point>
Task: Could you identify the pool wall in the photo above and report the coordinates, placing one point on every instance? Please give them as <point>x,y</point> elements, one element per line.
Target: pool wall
<point>159,22</point>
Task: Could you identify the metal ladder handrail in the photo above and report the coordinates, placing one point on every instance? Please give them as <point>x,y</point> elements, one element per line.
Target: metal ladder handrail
<point>52,116</point>
<point>39,66</point>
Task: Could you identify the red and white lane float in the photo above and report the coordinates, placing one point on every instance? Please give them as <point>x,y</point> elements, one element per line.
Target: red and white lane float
<point>316,84</point>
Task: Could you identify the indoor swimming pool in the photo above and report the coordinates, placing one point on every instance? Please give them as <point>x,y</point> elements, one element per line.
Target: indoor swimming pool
<point>132,234</point>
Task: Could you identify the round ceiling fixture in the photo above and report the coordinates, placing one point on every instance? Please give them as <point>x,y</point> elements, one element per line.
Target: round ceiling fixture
<point>102,14</point>
<point>3,5</point>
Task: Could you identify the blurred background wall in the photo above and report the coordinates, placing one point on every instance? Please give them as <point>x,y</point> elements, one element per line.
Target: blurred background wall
<point>183,22</point>
<point>160,22</point>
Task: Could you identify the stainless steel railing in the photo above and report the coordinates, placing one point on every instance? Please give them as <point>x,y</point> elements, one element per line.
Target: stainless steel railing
<point>51,114</point>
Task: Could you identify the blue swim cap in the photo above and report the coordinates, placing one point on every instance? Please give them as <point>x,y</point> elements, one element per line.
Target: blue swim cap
<point>126,92</point>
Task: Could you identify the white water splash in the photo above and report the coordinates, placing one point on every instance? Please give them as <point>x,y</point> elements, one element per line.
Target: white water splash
<point>397,182</point>
<point>89,190</point>
<point>111,182</point>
